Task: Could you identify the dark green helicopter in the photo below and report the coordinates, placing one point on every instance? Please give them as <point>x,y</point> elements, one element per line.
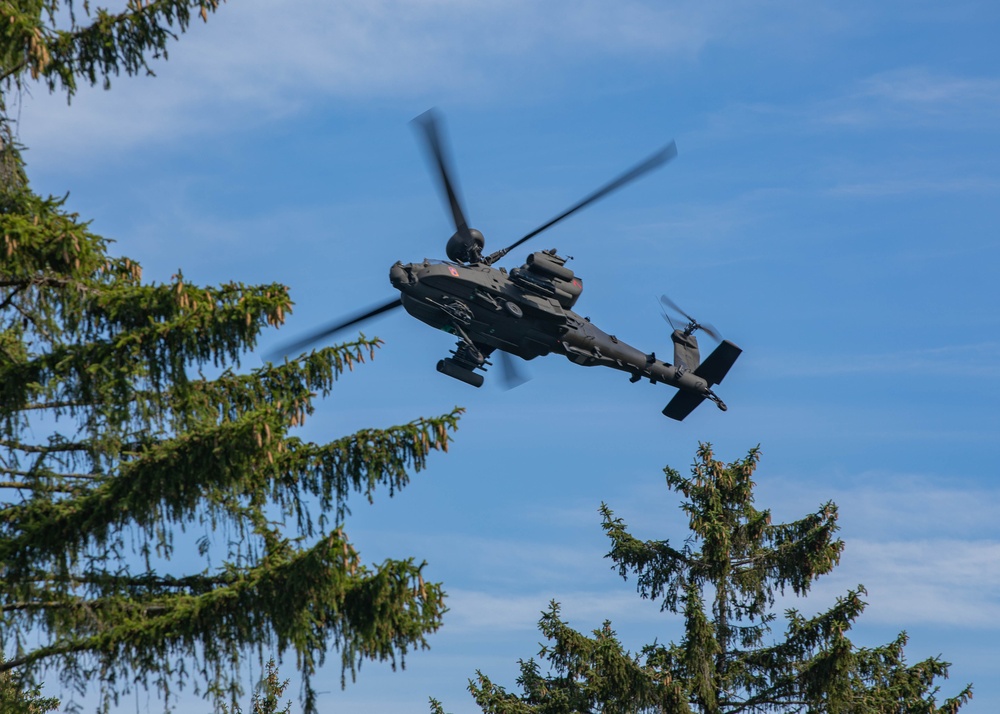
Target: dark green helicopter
<point>528,311</point>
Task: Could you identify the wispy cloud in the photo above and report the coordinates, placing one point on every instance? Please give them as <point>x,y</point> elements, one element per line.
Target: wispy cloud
<point>916,95</point>
<point>942,582</point>
<point>905,97</point>
<point>880,505</point>
<point>909,186</point>
<point>976,360</point>
<point>256,62</point>
<point>926,547</point>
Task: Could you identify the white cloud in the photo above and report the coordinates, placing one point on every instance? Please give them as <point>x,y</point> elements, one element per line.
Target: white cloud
<point>940,582</point>
<point>879,505</point>
<point>901,98</point>
<point>974,361</point>
<point>908,186</point>
<point>919,89</point>
<point>926,548</point>
<point>256,62</point>
<point>911,96</point>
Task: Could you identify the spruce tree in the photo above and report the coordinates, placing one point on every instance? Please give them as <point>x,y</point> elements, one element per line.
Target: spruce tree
<point>160,521</point>
<point>724,582</point>
<point>267,698</point>
<point>16,697</point>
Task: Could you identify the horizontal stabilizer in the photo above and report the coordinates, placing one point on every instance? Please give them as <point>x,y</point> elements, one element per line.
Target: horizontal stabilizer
<point>683,403</point>
<point>715,367</point>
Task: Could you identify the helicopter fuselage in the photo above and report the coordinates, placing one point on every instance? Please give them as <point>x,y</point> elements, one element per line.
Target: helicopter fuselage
<point>526,313</point>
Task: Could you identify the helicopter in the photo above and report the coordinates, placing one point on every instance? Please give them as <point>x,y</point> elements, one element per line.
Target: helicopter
<point>528,311</point>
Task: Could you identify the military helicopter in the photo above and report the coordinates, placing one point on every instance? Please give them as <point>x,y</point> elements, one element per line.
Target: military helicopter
<point>527,312</point>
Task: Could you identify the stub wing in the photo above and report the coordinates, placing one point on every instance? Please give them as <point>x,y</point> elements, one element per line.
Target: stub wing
<point>683,403</point>
<point>715,367</point>
<point>713,370</point>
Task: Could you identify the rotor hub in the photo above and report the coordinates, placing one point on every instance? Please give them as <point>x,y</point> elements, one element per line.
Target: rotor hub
<point>466,248</point>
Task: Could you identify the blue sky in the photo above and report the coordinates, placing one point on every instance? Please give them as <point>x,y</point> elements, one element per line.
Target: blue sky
<point>833,210</point>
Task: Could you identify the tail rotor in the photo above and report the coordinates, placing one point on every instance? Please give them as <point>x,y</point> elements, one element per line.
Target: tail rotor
<point>692,324</point>
<point>687,358</point>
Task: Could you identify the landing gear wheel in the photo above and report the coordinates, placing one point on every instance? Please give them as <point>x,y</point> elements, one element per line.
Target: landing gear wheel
<point>514,309</point>
<point>718,402</point>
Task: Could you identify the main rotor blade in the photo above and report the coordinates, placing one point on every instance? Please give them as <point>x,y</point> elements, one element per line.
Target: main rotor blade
<point>509,373</point>
<point>658,159</point>
<point>336,327</point>
<point>430,123</point>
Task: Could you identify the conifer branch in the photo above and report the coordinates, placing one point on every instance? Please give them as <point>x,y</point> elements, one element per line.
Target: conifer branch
<point>48,474</point>
<point>13,294</point>
<point>68,404</point>
<point>152,445</point>
<point>109,44</point>
<point>61,447</point>
<point>40,487</point>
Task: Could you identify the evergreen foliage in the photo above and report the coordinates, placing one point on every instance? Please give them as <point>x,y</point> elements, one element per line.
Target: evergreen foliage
<point>159,525</point>
<point>16,697</point>
<point>60,42</point>
<point>724,581</point>
<point>268,695</point>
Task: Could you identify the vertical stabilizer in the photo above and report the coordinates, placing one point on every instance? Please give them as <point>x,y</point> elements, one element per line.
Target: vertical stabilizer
<point>686,354</point>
